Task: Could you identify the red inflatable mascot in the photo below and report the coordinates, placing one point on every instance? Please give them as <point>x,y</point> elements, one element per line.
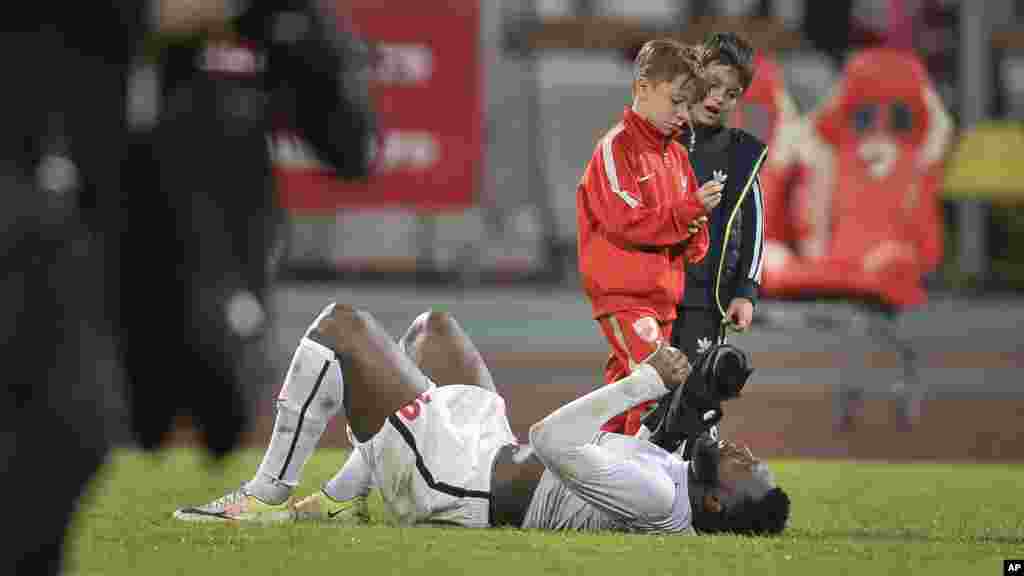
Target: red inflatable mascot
<point>868,222</point>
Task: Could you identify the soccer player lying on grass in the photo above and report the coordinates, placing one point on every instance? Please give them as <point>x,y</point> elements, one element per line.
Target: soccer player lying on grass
<point>445,454</point>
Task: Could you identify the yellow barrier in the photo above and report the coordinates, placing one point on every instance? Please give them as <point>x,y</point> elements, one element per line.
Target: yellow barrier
<point>987,164</point>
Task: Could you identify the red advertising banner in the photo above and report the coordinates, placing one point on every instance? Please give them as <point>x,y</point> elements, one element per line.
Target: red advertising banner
<point>426,90</point>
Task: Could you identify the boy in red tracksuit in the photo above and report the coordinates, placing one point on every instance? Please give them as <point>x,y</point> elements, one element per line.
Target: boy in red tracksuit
<point>640,216</point>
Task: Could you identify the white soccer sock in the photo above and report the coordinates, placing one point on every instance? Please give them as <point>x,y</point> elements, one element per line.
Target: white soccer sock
<point>312,394</point>
<point>576,423</point>
<point>355,479</point>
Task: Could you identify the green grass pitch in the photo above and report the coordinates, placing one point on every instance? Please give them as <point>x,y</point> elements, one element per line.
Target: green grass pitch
<point>847,518</point>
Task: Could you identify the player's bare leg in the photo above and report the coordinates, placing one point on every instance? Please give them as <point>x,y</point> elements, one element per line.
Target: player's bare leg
<point>444,352</point>
<point>379,378</point>
<point>345,360</point>
<point>434,346</point>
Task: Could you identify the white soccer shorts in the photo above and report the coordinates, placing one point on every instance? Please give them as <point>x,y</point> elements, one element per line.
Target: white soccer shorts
<point>432,460</point>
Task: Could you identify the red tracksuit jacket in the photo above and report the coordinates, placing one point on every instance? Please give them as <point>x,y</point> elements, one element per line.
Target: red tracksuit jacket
<point>633,205</point>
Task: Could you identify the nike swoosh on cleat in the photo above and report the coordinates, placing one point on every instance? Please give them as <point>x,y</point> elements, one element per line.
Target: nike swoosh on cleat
<point>336,512</point>
<point>645,178</point>
<point>198,512</point>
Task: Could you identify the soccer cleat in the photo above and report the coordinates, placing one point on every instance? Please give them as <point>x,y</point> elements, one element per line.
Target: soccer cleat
<point>239,507</point>
<point>318,506</point>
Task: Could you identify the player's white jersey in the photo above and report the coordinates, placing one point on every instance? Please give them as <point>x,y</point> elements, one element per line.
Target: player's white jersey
<point>642,488</point>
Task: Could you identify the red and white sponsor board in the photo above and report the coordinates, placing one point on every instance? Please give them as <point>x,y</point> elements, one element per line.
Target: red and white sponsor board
<point>427,93</point>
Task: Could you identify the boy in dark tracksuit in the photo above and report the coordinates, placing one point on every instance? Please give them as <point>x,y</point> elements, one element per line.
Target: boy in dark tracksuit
<point>725,284</point>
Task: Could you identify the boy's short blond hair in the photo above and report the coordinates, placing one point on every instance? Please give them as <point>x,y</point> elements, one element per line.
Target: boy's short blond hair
<point>664,60</point>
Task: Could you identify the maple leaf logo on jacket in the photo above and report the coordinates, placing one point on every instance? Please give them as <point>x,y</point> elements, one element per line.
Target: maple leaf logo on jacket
<point>703,345</point>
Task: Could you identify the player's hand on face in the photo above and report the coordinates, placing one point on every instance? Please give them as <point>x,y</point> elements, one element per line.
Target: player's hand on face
<point>695,225</point>
<point>710,194</point>
<point>740,313</point>
<point>671,364</point>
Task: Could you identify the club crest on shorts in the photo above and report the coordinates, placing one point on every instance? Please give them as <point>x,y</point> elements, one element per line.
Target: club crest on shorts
<point>647,329</point>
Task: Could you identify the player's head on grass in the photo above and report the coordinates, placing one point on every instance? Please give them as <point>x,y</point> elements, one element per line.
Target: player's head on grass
<point>728,69</point>
<point>735,493</point>
<point>666,82</point>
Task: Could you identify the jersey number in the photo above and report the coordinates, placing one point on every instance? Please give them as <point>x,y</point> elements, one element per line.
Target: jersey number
<point>411,411</point>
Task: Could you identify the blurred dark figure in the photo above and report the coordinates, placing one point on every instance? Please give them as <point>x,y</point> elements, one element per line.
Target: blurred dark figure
<point>826,26</point>
<point>63,99</point>
<point>136,262</point>
<point>205,165</point>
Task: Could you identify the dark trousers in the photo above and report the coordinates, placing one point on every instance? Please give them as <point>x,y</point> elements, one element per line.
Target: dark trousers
<point>694,329</point>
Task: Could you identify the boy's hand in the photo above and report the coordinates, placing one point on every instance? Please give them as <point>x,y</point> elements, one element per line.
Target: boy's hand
<point>710,194</point>
<point>695,225</point>
<point>740,313</point>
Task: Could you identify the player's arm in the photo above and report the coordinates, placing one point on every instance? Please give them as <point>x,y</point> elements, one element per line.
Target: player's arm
<point>747,281</point>
<point>604,475</point>
<point>565,442</point>
<point>615,199</point>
